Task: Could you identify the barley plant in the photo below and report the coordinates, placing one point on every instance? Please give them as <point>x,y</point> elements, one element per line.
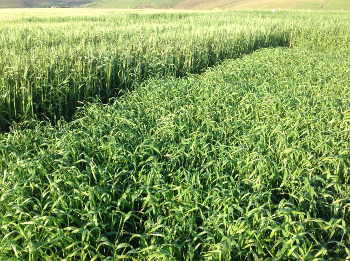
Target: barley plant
<point>248,160</point>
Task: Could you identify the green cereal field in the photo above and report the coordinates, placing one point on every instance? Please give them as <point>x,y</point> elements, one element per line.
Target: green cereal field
<point>174,135</point>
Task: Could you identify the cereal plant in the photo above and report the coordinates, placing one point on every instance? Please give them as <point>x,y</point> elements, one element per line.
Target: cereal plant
<point>176,152</point>
<point>248,161</point>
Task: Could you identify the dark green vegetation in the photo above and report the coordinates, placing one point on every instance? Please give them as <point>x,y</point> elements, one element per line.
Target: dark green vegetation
<point>247,161</point>
<point>250,160</point>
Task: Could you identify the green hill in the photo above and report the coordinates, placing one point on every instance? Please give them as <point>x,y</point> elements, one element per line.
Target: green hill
<point>41,3</point>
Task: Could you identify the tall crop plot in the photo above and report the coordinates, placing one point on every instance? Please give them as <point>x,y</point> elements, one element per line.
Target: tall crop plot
<point>51,63</point>
<point>248,161</point>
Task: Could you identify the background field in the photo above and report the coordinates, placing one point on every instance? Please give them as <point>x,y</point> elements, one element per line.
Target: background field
<point>335,5</point>
<point>200,135</point>
<point>158,4</point>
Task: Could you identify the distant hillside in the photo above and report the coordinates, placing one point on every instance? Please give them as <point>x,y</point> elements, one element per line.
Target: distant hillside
<point>41,3</point>
<point>186,4</point>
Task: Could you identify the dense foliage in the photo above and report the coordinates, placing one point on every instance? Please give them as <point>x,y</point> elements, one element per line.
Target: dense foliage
<point>248,161</point>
